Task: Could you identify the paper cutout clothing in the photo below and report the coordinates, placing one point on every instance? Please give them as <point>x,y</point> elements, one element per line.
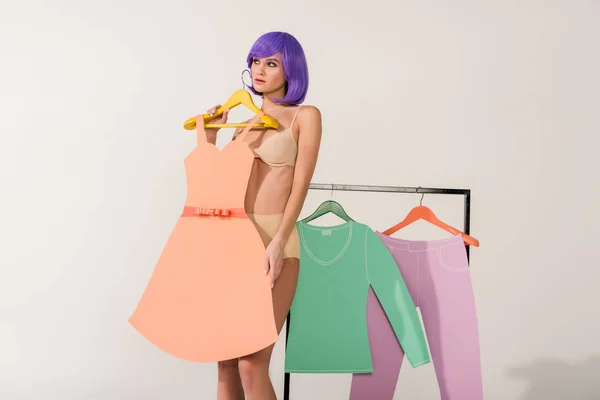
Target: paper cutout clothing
<point>328,321</point>
<point>208,298</point>
<point>438,278</point>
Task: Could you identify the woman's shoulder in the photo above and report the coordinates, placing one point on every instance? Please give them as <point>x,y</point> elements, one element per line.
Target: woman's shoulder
<point>309,113</point>
<point>309,121</point>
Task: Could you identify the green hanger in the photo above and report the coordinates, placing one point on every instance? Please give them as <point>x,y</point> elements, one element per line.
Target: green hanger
<point>328,206</point>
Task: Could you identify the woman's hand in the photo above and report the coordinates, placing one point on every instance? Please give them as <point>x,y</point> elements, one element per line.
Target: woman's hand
<point>222,119</point>
<point>274,259</point>
<point>211,133</point>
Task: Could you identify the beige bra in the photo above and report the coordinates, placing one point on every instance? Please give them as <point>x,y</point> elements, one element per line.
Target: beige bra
<point>279,149</point>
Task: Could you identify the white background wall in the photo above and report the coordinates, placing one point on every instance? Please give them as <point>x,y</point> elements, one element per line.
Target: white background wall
<point>498,96</point>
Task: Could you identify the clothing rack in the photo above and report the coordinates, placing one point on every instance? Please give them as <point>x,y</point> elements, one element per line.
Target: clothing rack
<point>466,193</point>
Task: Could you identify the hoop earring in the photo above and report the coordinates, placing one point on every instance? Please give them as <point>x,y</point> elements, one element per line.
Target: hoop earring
<point>243,82</point>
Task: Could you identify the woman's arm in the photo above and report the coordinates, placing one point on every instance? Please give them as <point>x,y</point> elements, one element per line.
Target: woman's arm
<point>309,142</point>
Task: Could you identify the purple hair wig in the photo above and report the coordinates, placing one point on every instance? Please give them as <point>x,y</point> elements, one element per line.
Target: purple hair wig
<point>294,63</point>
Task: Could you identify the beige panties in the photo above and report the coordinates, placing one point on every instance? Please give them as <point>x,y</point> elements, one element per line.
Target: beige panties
<point>267,225</point>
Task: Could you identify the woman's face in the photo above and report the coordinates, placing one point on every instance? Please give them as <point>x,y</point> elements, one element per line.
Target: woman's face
<point>267,74</point>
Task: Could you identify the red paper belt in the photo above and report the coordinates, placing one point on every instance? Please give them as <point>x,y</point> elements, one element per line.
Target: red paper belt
<point>190,211</point>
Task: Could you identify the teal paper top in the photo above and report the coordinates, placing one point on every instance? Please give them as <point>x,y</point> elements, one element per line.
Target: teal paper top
<point>328,318</point>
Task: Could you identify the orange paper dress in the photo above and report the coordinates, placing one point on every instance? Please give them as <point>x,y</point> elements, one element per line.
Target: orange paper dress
<point>208,298</point>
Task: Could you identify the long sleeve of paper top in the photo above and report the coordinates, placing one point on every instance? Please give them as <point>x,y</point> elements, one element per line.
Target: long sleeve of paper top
<point>390,288</point>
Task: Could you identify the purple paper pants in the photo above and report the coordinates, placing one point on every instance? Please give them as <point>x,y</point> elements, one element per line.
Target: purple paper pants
<point>438,279</point>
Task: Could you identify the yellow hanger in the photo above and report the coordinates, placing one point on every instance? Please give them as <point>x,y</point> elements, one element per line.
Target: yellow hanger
<point>238,97</point>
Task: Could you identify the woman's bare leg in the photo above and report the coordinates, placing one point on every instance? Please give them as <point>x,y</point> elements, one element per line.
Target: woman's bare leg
<point>254,368</point>
<point>230,384</point>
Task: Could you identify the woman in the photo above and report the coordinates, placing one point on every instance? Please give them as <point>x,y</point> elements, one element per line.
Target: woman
<point>282,171</point>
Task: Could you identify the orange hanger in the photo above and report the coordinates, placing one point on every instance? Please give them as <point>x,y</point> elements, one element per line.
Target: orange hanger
<point>425,213</point>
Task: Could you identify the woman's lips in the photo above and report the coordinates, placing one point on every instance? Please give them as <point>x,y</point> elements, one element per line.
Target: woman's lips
<point>259,80</point>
